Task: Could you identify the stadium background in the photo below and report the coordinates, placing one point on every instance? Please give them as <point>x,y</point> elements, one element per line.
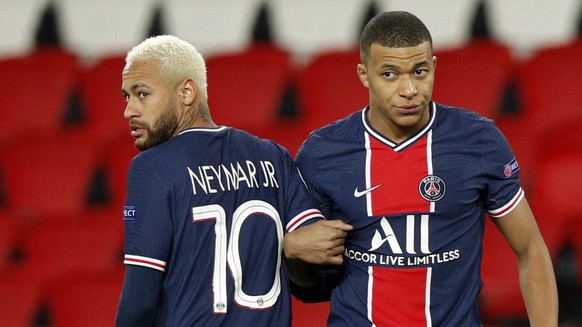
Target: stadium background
<point>277,68</point>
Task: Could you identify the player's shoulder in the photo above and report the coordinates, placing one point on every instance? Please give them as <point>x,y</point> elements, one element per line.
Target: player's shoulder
<point>256,143</point>
<point>466,127</point>
<point>340,125</point>
<point>232,137</point>
<point>462,118</point>
<point>225,144</point>
<point>332,135</point>
<point>462,114</point>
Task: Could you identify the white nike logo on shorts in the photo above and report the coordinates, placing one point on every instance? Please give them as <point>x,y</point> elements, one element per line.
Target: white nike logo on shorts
<point>358,194</point>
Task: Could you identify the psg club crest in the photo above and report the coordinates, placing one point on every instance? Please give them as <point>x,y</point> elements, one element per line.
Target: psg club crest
<point>432,188</point>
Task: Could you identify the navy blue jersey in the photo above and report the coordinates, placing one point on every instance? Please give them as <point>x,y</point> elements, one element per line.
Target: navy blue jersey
<point>209,208</point>
<point>418,208</point>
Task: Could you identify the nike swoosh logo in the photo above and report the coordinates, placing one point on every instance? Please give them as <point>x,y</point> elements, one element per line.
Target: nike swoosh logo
<point>358,194</point>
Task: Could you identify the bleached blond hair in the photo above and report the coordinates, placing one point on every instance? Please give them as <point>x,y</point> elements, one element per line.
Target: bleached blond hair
<point>179,59</point>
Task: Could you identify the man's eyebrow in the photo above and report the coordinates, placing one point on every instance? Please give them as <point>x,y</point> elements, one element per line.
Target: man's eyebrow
<point>134,87</point>
<point>137,85</point>
<point>417,64</point>
<point>390,66</point>
<point>421,63</point>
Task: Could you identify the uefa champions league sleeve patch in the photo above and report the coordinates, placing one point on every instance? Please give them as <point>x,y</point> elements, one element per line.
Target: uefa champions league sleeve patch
<point>129,213</point>
<point>511,168</point>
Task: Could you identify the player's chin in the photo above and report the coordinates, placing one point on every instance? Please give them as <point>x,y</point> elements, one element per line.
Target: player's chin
<point>408,120</point>
<point>141,143</point>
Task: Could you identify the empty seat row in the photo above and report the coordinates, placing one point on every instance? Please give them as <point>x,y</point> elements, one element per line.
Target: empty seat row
<point>80,300</point>
<point>61,273</point>
<point>465,77</point>
<point>253,89</point>
<point>62,176</point>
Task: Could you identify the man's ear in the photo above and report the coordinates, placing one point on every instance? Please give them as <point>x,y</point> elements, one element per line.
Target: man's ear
<point>188,91</point>
<point>363,75</point>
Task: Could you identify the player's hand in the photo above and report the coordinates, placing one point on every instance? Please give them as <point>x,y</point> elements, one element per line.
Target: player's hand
<point>319,243</point>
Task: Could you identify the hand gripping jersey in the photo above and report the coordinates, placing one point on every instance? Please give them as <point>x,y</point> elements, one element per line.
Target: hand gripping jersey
<point>418,208</point>
<point>209,208</point>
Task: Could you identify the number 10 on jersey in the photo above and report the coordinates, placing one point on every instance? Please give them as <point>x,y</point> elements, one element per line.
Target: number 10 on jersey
<point>226,251</point>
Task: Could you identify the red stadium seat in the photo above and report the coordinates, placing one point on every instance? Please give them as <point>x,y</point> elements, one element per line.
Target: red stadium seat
<point>10,234</point>
<point>20,301</point>
<point>555,197</point>
<point>245,89</point>
<point>88,301</point>
<point>290,134</point>
<point>103,100</point>
<point>329,88</point>
<point>36,90</point>
<point>549,113</point>
<point>556,203</point>
<point>47,174</point>
<point>466,78</point>
<point>54,252</point>
<point>116,159</point>
<point>550,87</point>
<point>555,142</point>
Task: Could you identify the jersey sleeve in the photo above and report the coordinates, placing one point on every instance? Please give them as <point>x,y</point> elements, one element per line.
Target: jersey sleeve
<point>327,277</point>
<point>307,163</point>
<point>147,219</point>
<point>300,208</point>
<point>139,300</point>
<point>503,190</point>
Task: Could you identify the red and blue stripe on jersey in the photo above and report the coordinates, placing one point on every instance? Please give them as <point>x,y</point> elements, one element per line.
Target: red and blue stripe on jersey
<point>398,173</point>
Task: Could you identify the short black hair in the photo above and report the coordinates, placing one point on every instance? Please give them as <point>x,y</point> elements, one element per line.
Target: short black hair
<point>393,29</point>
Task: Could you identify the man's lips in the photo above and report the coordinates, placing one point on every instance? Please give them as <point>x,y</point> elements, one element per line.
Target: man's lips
<point>136,130</point>
<point>409,109</point>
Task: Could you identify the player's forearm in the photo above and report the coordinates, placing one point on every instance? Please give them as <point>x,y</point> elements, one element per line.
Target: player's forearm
<point>538,286</point>
<point>135,313</point>
<point>129,317</point>
<point>138,304</point>
<point>300,273</point>
<point>320,243</point>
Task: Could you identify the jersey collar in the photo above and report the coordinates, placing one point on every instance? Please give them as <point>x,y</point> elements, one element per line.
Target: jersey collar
<point>405,143</point>
<point>204,129</point>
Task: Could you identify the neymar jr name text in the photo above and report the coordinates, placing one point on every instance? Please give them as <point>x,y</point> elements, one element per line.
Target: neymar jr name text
<point>210,179</point>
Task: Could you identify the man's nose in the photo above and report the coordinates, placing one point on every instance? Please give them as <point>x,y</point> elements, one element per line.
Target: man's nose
<point>408,87</point>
